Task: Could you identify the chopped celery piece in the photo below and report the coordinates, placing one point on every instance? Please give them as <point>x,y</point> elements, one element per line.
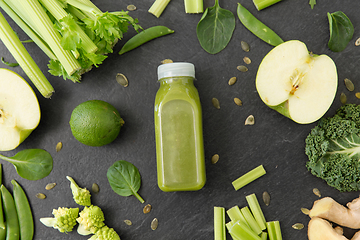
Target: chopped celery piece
<point>241,231</point>
<point>261,4</point>
<point>277,230</point>
<point>256,210</point>
<point>229,226</point>
<point>254,226</point>
<point>263,235</point>
<point>274,230</point>
<point>158,7</point>
<point>235,215</point>
<point>249,177</point>
<point>194,6</point>
<point>219,223</point>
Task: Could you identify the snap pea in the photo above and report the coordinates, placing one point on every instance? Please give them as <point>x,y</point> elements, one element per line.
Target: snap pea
<point>11,218</point>
<point>145,36</point>
<point>23,210</point>
<point>2,222</point>
<point>256,27</point>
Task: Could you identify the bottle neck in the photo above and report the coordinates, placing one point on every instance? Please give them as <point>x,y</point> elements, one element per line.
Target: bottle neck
<point>176,80</point>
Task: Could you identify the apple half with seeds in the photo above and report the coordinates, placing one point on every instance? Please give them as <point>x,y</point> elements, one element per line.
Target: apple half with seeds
<point>298,84</point>
<point>19,110</point>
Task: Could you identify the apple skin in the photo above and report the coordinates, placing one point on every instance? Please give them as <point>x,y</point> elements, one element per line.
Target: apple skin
<point>19,110</point>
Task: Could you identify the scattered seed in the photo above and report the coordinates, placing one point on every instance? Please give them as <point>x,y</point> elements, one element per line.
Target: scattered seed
<point>357,42</point>
<point>247,60</point>
<point>154,224</point>
<point>215,103</point>
<point>215,158</point>
<point>266,198</point>
<point>50,186</point>
<point>250,120</point>
<point>232,81</point>
<point>59,146</point>
<point>245,46</point>
<point>122,80</point>
<point>357,95</point>
<point>131,7</point>
<point>147,209</point>
<point>166,61</point>
<point>238,101</point>
<point>242,68</point>
<point>95,188</point>
<point>128,222</point>
<point>305,211</point>
<point>40,196</point>
<point>317,192</point>
<point>343,98</point>
<point>298,226</point>
<point>349,84</point>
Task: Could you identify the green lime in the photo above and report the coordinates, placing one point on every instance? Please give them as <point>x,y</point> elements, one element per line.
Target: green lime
<point>95,123</point>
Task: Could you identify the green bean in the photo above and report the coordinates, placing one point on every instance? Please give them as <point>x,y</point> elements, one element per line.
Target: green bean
<point>145,36</point>
<point>23,210</point>
<point>11,218</point>
<point>256,27</point>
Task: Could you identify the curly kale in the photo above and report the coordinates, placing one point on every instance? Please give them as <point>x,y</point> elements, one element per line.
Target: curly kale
<point>333,149</point>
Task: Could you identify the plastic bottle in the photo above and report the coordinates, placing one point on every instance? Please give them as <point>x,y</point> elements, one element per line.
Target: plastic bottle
<point>178,129</point>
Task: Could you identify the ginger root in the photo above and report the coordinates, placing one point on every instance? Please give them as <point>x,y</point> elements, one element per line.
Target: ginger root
<point>320,229</point>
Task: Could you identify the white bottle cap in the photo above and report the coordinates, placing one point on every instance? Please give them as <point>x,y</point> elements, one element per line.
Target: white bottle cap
<point>177,69</point>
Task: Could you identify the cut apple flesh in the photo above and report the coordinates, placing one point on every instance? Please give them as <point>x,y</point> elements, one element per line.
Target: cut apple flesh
<point>19,110</point>
<point>299,85</point>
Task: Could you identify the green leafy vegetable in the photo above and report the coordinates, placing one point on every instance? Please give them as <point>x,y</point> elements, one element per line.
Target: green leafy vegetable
<point>215,28</point>
<point>125,179</point>
<point>312,3</point>
<point>341,31</point>
<point>31,164</point>
<point>8,63</point>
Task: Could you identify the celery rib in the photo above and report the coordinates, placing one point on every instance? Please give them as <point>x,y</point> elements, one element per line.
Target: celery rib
<point>194,6</point>
<point>254,226</point>
<point>261,4</point>
<point>274,230</point>
<point>249,177</point>
<point>158,7</point>
<point>235,215</point>
<point>241,231</point>
<point>256,210</point>
<point>219,223</point>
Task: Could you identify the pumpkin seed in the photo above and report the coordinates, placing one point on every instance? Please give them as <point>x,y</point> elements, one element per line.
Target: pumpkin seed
<point>245,46</point>
<point>215,158</point>
<point>128,222</point>
<point>305,211</point>
<point>298,226</point>
<point>122,80</point>
<point>247,60</point>
<point>40,196</point>
<point>266,198</point>
<point>154,224</point>
<point>166,61</point>
<point>95,188</point>
<point>343,98</point>
<point>349,84</point>
<point>232,81</point>
<point>250,120</point>
<point>131,7</point>
<point>147,209</point>
<point>215,103</point>
<point>59,146</point>
<point>357,95</point>
<point>242,68</point>
<point>317,192</point>
<point>238,101</point>
<point>357,42</point>
<point>50,186</point>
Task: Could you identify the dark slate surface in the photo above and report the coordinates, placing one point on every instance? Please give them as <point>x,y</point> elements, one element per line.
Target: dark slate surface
<point>274,141</point>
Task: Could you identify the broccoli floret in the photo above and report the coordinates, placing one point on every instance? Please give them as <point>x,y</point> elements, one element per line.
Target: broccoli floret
<point>333,149</point>
<point>105,233</point>
<point>81,195</point>
<point>64,219</point>
<point>91,220</point>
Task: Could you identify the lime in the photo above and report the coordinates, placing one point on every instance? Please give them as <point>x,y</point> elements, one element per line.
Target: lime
<point>95,123</point>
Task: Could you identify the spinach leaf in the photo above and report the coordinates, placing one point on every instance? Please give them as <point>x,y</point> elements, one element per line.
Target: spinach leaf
<point>124,179</point>
<point>341,31</point>
<point>215,28</point>
<point>31,164</point>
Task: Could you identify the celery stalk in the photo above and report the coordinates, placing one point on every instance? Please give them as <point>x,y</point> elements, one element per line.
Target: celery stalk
<point>277,230</point>
<point>219,223</point>
<point>256,210</point>
<point>274,230</point>
<point>194,6</point>
<point>261,4</point>
<point>229,226</point>
<point>158,7</point>
<point>235,215</point>
<point>254,226</point>
<point>21,55</point>
<point>249,177</point>
<point>263,235</point>
<point>241,231</point>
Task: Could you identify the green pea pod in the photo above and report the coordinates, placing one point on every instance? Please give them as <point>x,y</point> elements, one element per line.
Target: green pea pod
<point>23,210</point>
<point>145,36</point>
<point>258,28</point>
<point>2,222</point>
<point>11,218</point>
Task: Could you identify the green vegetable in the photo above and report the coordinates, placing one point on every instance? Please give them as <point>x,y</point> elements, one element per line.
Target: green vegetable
<point>312,3</point>
<point>31,164</point>
<point>9,63</point>
<point>194,6</point>
<point>215,28</point>
<point>341,31</point>
<point>64,219</point>
<point>249,177</point>
<point>158,7</point>
<point>256,210</point>
<point>11,217</point>
<point>105,233</point>
<point>2,220</point>
<point>125,179</point>
<point>235,215</point>
<point>81,195</point>
<point>23,210</point>
<point>145,36</point>
<point>333,149</point>
<point>256,27</point>
<point>91,220</point>
<point>254,226</point>
<point>219,223</point>
<point>274,230</point>
<point>261,4</point>
<point>264,235</point>
<point>241,231</point>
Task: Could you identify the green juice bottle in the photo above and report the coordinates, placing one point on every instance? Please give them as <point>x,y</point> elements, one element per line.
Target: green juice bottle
<point>178,130</point>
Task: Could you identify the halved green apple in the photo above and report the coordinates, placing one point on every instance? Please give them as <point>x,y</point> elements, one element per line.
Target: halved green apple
<point>19,110</point>
<point>298,84</point>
